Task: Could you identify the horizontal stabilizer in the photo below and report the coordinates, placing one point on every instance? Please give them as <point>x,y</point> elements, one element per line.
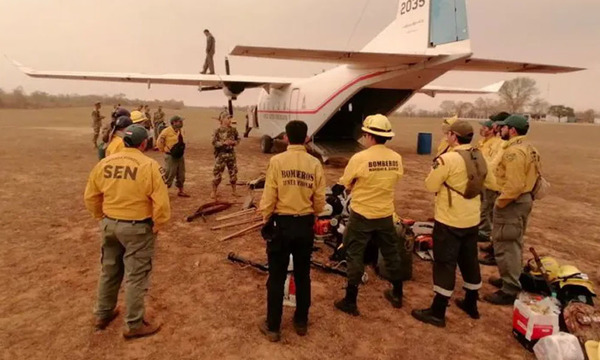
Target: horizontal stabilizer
<point>433,90</point>
<point>390,59</point>
<point>209,82</point>
<point>512,66</point>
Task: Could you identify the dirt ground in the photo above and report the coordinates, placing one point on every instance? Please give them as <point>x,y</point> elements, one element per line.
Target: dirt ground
<point>50,250</point>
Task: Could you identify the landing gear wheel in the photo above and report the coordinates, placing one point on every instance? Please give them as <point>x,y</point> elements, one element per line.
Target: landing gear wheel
<point>266,143</point>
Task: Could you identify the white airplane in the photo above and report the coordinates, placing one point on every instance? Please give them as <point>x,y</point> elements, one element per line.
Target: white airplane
<point>427,39</point>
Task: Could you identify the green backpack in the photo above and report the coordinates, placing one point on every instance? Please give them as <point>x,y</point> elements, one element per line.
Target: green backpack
<point>476,172</point>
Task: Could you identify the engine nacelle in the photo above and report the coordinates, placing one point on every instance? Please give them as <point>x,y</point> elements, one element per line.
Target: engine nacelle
<point>233,90</point>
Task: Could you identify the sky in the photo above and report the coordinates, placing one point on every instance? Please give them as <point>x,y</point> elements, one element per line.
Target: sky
<point>158,36</point>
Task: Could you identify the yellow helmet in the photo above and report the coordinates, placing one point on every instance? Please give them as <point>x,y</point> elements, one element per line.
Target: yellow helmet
<point>378,125</point>
<point>550,264</point>
<point>448,122</point>
<point>137,116</point>
<point>571,275</point>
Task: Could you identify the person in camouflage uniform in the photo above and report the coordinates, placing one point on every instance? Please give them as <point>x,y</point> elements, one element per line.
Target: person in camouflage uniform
<point>159,121</point>
<point>225,138</point>
<point>96,122</point>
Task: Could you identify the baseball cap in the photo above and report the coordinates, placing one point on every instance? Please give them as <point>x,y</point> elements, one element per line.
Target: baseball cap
<point>487,123</point>
<point>515,121</point>
<point>500,116</point>
<point>462,128</point>
<point>134,135</point>
<point>176,118</point>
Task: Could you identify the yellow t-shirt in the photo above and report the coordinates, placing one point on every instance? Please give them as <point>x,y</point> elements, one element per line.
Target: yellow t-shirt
<point>294,185</point>
<point>128,186</point>
<point>372,175</point>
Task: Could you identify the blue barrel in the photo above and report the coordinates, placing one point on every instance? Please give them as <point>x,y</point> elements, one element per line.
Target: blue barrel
<point>424,141</point>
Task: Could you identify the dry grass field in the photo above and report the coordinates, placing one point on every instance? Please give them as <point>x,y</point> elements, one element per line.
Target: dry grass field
<point>50,251</point>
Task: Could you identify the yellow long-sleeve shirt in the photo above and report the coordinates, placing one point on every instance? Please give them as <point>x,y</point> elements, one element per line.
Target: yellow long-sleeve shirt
<point>294,184</point>
<point>491,148</point>
<point>115,145</point>
<point>167,138</point>
<point>516,172</point>
<point>128,186</point>
<point>450,168</point>
<point>372,175</point>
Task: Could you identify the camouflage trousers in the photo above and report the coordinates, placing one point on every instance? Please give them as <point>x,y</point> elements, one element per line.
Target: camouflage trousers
<point>223,159</point>
<point>127,251</point>
<point>96,125</point>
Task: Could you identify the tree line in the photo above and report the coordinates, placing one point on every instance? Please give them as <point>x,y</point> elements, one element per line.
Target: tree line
<point>516,96</point>
<point>18,99</point>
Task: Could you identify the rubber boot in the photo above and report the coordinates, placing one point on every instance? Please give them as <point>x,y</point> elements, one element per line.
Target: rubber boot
<point>469,303</point>
<point>394,295</point>
<point>348,303</point>
<point>436,314</point>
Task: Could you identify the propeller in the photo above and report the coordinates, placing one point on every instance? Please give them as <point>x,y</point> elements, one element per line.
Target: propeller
<point>229,102</point>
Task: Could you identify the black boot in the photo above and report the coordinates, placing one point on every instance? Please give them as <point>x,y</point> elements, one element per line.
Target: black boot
<point>469,303</point>
<point>394,295</point>
<point>488,259</point>
<point>488,249</point>
<point>436,314</point>
<point>348,303</point>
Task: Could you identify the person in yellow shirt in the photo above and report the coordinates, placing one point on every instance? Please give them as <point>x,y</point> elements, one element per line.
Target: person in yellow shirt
<point>115,143</point>
<point>372,175</point>
<point>170,141</point>
<point>443,146</point>
<point>491,145</point>
<point>294,194</point>
<point>127,194</point>
<point>457,210</point>
<point>516,174</point>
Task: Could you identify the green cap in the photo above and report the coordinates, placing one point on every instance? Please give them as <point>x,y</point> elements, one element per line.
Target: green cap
<point>487,123</point>
<point>515,121</point>
<point>501,116</point>
<point>176,118</point>
<point>134,135</point>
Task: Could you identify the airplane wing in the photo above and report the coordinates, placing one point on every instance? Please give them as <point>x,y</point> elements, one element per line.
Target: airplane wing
<point>434,90</point>
<point>389,59</point>
<point>205,82</point>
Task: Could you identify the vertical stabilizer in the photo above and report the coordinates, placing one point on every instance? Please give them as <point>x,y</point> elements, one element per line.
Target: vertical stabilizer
<point>425,26</point>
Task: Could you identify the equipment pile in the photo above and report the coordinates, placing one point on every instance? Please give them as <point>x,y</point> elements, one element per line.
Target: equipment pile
<point>556,310</point>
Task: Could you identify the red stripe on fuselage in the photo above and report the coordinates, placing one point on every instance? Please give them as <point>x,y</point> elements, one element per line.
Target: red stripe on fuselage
<point>329,99</point>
